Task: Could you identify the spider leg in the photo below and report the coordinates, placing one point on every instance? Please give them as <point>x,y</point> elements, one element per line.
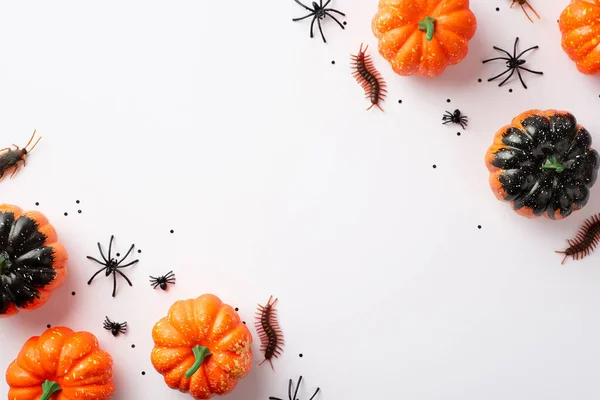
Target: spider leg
<point>127,265</point>
<point>532,9</point>
<point>447,122</point>
<point>155,285</point>
<point>527,15</point>
<point>529,49</point>
<point>335,11</point>
<point>92,258</point>
<point>97,272</point>
<point>290,390</point>
<point>101,253</point>
<point>326,3</point>
<point>302,5</point>
<point>321,30</point>
<point>274,398</point>
<point>521,78</point>
<point>112,237</point>
<point>123,275</point>
<point>515,48</point>
<point>494,59</point>
<point>297,387</point>
<point>533,72</point>
<point>312,24</point>
<point>502,50</point>
<point>507,78</point>
<point>316,392</point>
<point>301,18</point>
<point>498,76</point>
<point>125,256</point>
<point>335,19</point>
<point>153,278</point>
<point>114,284</point>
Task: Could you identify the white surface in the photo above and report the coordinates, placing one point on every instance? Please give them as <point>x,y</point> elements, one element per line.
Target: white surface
<point>225,122</point>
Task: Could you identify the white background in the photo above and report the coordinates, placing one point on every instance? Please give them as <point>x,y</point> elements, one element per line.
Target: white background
<point>224,122</point>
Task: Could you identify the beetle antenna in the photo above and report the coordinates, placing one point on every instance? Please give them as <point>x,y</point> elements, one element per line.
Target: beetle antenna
<point>35,144</point>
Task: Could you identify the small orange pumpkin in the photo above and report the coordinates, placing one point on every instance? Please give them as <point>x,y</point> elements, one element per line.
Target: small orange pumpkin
<point>32,261</point>
<point>423,37</point>
<point>580,27</point>
<point>61,364</point>
<point>202,347</point>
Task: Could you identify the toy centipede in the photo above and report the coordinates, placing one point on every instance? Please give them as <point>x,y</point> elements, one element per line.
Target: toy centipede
<point>586,240</point>
<point>368,77</point>
<point>268,329</point>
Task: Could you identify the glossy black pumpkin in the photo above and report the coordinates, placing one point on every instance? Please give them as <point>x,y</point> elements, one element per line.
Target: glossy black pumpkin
<point>32,262</point>
<point>543,163</point>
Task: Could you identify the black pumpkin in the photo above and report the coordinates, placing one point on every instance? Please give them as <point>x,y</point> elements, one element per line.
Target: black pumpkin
<point>32,262</point>
<point>543,163</point>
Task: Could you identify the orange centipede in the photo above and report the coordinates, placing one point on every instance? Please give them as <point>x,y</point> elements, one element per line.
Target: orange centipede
<point>267,326</point>
<point>368,77</point>
<point>586,240</point>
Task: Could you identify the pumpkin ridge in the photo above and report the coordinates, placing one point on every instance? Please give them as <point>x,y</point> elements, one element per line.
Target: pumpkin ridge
<point>25,367</point>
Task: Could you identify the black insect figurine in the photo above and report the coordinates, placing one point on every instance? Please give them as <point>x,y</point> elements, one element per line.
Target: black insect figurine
<point>290,386</point>
<point>455,118</point>
<point>524,3</point>
<point>115,327</point>
<point>318,12</point>
<point>112,265</point>
<point>162,281</point>
<point>11,158</point>
<point>513,63</point>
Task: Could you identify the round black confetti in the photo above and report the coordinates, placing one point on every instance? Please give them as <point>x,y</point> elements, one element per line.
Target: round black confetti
<point>77,201</point>
<point>143,372</point>
<point>139,251</point>
<point>399,101</point>
<point>332,62</point>
<point>48,326</point>
<point>448,100</point>
<point>434,166</point>
<point>79,211</point>
<point>172,231</point>
<point>345,23</point>
<point>73,293</point>
<point>37,203</point>
<point>133,346</point>
<point>497,8</point>
<point>66,214</point>
<point>457,133</point>
<point>509,90</point>
<point>300,355</point>
<point>479,80</point>
<point>244,322</point>
<point>478,226</point>
<point>118,254</point>
<point>237,309</point>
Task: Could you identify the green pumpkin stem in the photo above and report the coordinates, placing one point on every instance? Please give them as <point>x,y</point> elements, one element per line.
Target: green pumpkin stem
<point>200,352</point>
<point>48,389</point>
<point>553,163</point>
<point>428,25</point>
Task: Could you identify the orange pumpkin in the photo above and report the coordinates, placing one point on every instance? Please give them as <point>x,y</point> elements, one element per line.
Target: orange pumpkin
<point>423,37</point>
<point>32,261</point>
<point>580,27</point>
<point>202,347</point>
<point>62,365</point>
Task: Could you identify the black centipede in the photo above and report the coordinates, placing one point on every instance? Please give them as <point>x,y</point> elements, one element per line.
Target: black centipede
<point>267,326</point>
<point>368,77</point>
<point>586,240</point>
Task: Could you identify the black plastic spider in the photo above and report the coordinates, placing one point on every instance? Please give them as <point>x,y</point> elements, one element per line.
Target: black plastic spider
<point>112,265</point>
<point>162,281</point>
<point>318,12</point>
<point>295,392</point>
<point>115,327</point>
<point>513,63</point>
<point>455,118</point>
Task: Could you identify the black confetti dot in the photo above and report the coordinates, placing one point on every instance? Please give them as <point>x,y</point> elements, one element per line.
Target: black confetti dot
<point>133,346</point>
<point>48,326</point>
<point>237,309</point>
<point>399,101</point>
<point>118,254</point>
<point>510,90</point>
<point>73,293</point>
<point>434,166</point>
<point>448,100</point>
<point>172,231</point>
<point>332,62</point>
<point>457,133</point>
<point>497,8</point>
<point>244,322</point>
<point>300,355</point>
<point>139,251</point>
<point>66,214</point>
<point>143,372</point>
<point>37,203</point>
<point>345,23</point>
<point>478,226</point>
<point>77,201</point>
<point>479,80</point>
<point>79,211</point>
